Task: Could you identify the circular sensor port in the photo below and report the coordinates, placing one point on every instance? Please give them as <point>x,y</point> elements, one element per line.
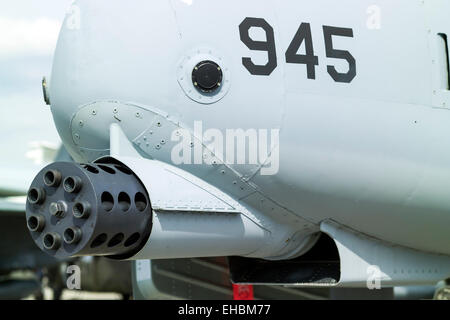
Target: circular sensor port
<point>81,210</point>
<point>72,184</point>
<point>207,76</point>
<point>52,178</point>
<point>36,195</point>
<point>52,241</point>
<point>36,223</point>
<point>72,235</point>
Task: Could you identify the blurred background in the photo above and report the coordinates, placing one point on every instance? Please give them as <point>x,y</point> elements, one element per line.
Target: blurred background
<point>28,35</point>
<point>28,141</point>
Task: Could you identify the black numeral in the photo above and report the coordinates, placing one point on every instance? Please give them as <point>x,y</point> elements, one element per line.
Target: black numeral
<point>328,33</point>
<point>268,45</point>
<point>303,35</point>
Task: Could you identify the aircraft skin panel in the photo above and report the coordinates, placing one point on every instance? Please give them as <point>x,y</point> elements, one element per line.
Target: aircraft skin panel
<point>363,259</point>
<point>438,32</point>
<point>360,124</point>
<point>375,178</point>
<point>392,59</point>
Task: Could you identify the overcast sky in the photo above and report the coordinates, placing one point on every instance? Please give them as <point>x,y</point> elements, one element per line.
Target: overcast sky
<point>28,36</point>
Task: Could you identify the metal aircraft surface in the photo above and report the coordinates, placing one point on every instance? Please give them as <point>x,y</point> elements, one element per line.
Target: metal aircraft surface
<point>305,140</point>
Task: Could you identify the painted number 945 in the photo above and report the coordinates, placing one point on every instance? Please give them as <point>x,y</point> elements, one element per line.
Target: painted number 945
<point>303,35</point>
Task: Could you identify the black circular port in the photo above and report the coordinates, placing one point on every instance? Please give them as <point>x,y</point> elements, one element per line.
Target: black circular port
<point>52,241</point>
<point>72,184</point>
<point>107,169</point>
<point>207,76</point>
<point>107,201</point>
<point>72,235</point>
<point>99,240</point>
<point>91,169</point>
<point>124,201</point>
<point>132,239</point>
<point>33,223</point>
<point>117,239</point>
<point>124,170</point>
<point>140,201</point>
<point>52,178</point>
<point>36,195</point>
<point>81,210</point>
<point>36,223</point>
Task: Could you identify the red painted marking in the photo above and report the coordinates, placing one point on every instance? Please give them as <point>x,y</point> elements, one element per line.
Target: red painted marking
<point>243,292</point>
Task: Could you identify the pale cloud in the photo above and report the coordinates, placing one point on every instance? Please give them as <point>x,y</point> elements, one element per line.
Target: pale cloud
<point>21,37</point>
<point>28,36</point>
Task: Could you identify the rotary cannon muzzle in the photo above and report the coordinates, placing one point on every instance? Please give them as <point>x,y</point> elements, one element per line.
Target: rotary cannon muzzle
<point>97,209</point>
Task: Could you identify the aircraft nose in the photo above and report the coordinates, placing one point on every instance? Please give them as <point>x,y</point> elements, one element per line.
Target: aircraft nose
<point>108,55</point>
